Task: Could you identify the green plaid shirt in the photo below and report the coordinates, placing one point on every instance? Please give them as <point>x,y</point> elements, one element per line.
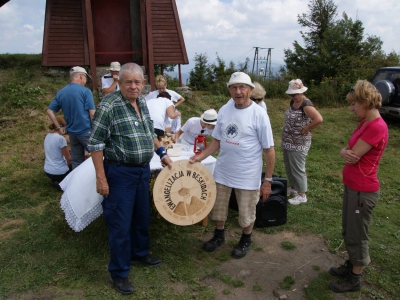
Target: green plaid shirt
<point>120,133</point>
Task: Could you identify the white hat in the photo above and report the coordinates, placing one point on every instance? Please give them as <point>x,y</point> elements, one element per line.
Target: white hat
<point>78,70</point>
<point>115,66</point>
<point>209,117</point>
<point>240,77</point>
<point>296,87</point>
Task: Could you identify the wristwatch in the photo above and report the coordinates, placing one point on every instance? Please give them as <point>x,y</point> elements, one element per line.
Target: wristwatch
<point>59,127</point>
<point>267,179</point>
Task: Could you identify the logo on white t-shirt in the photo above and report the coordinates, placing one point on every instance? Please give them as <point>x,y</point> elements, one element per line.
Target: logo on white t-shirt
<point>231,131</point>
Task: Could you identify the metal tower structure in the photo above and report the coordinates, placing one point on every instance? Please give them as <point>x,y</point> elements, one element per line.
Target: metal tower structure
<point>268,71</point>
<point>256,59</point>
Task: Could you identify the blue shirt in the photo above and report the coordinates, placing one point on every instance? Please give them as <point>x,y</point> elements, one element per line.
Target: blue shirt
<point>75,101</point>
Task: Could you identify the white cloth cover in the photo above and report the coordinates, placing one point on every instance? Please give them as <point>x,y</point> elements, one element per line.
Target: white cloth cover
<point>80,201</point>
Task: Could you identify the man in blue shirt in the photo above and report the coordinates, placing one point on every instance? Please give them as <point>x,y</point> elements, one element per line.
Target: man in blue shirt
<point>77,104</point>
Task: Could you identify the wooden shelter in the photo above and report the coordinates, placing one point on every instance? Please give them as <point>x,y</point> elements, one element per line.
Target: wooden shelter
<point>96,32</point>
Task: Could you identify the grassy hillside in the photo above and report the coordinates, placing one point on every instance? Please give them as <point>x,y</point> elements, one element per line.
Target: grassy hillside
<point>40,253</point>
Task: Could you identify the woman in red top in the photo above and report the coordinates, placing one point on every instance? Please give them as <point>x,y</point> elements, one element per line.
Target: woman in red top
<point>361,191</point>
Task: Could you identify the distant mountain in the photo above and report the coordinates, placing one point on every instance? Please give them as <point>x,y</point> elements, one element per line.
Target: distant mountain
<point>185,77</point>
<point>275,67</point>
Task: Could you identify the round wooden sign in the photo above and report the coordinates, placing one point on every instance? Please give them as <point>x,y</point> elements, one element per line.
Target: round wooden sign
<point>185,194</point>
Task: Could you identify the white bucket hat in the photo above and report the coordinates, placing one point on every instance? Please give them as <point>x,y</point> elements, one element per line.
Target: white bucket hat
<point>296,87</point>
<point>78,69</point>
<point>240,77</point>
<point>209,117</point>
<point>115,66</point>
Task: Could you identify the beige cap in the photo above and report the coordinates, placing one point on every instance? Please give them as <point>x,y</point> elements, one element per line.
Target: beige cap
<point>185,194</point>
<point>115,66</point>
<point>78,69</point>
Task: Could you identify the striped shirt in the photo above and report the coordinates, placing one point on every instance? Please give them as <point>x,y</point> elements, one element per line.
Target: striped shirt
<point>118,130</point>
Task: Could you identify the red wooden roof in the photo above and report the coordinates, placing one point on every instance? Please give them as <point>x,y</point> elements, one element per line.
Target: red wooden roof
<point>2,2</point>
<point>70,32</point>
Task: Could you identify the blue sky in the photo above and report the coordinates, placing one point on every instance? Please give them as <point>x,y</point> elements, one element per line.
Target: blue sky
<point>231,28</point>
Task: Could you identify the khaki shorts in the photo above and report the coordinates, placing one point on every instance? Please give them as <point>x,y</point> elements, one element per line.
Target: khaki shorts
<point>246,199</point>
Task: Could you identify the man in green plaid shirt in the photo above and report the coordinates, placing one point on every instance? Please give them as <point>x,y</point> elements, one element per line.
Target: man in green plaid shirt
<point>123,134</point>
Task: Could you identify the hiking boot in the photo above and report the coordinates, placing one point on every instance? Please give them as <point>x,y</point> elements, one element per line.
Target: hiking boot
<point>349,283</point>
<point>242,247</point>
<point>122,285</point>
<point>298,199</point>
<point>291,192</point>
<point>217,240</point>
<point>342,270</point>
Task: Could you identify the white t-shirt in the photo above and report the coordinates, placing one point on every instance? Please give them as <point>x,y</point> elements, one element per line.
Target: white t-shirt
<point>192,128</point>
<point>175,124</point>
<point>174,95</point>
<point>243,134</point>
<point>107,80</point>
<point>158,111</point>
<point>55,163</point>
<point>263,105</point>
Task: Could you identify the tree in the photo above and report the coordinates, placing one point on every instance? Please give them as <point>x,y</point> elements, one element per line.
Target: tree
<point>201,76</point>
<point>310,62</point>
<point>332,48</point>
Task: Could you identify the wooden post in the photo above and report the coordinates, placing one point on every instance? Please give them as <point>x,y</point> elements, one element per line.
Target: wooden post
<point>150,71</point>
<point>92,58</point>
<point>179,75</point>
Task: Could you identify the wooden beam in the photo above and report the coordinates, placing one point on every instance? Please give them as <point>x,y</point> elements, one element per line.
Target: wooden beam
<point>150,71</point>
<point>179,75</point>
<point>145,56</point>
<point>90,33</point>
<point>46,33</point>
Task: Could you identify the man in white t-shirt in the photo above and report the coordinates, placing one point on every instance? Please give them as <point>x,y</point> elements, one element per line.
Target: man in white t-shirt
<point>205,125</point>
<point>243,131</point>
<point>161,108</point>
<point>161,85</point>
<point>109,82</point>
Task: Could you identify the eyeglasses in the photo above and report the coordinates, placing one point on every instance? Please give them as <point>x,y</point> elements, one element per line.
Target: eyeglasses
<point>256,99</point>
<point>240,87</point>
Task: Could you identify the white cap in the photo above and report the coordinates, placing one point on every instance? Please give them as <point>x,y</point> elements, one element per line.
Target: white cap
<point>115,66</point>
<point>209,117</point>
<point>240,77</point>
<point>78,69</point>
<point>296,87</point>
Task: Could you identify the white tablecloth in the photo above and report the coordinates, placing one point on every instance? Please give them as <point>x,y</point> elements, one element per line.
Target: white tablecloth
<point>80,201</point>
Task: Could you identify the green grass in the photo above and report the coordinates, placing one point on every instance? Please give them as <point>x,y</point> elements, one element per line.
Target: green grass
<point>288,245</point>
<point>40,254</point>
<point>287,283</point>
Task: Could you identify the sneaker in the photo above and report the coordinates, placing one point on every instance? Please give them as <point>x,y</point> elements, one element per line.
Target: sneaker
<point>291,192</point>
<point>122,285</point>
<point>147,260</point>
<point>241,249</point>
<point>298,199</point>
<point>349,283</point>
<point>342,270</point>
<point>217,240</point>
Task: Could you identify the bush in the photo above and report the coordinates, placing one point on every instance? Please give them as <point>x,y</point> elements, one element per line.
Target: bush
<point>328,93</point>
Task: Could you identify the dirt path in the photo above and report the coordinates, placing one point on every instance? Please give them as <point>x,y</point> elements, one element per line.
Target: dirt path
<point>263,270</point>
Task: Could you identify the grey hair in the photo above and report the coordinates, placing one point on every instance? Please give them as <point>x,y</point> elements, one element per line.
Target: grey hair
<point>130,68</point>
<point>259,91</point>
<point>74,75</point>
